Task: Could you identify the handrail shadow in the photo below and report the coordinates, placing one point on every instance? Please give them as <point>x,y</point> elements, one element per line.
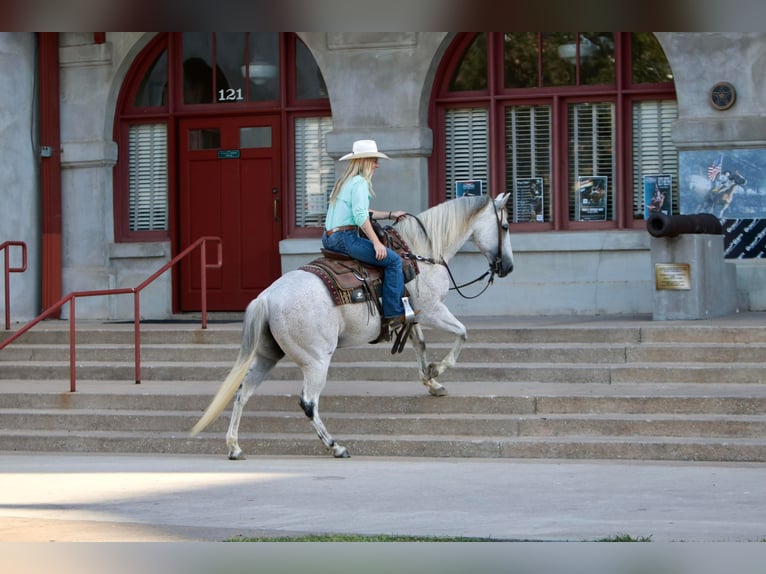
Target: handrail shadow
<point>136,291</point>
<point>5,248</point>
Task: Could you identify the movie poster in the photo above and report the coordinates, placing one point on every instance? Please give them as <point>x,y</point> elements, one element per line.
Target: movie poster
<point>469,187</point>
<point>657,194</point>
<point>591,198</point>
<point>529,200</point>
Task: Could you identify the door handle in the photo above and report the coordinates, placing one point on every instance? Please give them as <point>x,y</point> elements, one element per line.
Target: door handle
<point>276,209</point>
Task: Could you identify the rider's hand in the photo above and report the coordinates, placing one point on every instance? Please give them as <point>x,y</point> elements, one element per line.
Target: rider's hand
<point>380,250</point>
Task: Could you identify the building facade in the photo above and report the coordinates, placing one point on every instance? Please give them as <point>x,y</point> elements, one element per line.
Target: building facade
<point>120,150</point>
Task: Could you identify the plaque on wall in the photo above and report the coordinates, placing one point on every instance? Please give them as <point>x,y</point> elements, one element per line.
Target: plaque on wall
<point>672,276</point>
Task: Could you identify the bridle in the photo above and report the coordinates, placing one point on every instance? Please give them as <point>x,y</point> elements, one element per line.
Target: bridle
<point>494,267</point>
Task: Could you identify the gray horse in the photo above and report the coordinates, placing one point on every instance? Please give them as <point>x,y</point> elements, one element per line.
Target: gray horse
<point>295,317</point>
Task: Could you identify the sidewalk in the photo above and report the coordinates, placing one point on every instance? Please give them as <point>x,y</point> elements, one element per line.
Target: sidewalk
<point>172,498</point>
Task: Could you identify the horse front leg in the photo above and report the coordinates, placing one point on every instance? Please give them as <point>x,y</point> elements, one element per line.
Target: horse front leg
<point>445,321</point>
<point>314,380</point>
<point>419,344</point>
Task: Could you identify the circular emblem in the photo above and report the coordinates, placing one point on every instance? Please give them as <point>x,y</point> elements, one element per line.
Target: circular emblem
<point>722,96</point>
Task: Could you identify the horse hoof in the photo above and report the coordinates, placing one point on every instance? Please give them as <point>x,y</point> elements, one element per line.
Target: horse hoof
<point>437,392</point>
<point>341,452</point>
<point>435,389</point>
<point>236,455</point>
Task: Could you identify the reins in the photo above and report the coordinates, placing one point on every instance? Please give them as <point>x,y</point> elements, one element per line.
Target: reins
<point>492,269</point>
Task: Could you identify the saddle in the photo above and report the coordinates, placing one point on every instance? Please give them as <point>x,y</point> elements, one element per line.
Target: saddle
<point>351,281</point>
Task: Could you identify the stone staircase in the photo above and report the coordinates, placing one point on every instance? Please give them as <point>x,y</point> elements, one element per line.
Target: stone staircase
<point>577,388</point>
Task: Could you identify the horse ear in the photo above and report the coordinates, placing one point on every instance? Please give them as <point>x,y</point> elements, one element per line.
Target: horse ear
<point>501,200</point>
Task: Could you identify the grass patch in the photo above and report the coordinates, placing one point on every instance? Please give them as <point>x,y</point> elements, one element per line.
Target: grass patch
<point>625,538</point>
<point>398,538</point>
<point>361,538</point>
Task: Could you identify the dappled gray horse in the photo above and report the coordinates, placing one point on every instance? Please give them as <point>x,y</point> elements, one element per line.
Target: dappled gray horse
<point>295,317</point>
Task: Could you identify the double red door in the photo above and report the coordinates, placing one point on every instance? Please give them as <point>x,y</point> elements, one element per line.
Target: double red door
<point>230,188</point>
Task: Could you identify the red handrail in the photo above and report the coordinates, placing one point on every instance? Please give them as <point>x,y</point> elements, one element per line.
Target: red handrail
<point>8,270</point>
<point>136,291</point>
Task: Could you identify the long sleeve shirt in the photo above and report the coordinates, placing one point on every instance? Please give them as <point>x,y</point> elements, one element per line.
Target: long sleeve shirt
<point>352,204</point>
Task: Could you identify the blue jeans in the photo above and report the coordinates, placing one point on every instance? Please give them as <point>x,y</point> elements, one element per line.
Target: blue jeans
<point>361,248</point>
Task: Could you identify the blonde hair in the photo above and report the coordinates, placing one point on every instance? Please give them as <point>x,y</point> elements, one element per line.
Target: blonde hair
<point>363,167</point>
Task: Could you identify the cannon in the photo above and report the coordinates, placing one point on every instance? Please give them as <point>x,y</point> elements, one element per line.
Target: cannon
<point>661,225</point>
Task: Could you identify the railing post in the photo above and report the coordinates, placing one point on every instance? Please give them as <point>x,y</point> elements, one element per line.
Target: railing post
<point>203,281</point>
<point>7,287</point>
<point>137,327</point>
<point>5,247</point>
<point>72,357</point>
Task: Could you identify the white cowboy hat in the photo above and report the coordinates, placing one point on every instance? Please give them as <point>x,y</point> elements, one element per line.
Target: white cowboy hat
<point>362,149</point>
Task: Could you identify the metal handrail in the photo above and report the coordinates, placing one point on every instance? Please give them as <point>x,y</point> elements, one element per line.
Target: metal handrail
<point>136,291</point>
<point>4,247</point>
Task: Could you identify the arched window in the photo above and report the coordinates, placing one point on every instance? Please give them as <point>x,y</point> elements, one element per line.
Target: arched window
<point>576,126</point>
<point>214,74</point>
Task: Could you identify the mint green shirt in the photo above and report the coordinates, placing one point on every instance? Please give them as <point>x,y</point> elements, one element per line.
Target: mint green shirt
<point>352,204</point>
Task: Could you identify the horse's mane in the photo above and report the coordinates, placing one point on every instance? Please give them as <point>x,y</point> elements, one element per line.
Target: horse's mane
<point>445,224</point>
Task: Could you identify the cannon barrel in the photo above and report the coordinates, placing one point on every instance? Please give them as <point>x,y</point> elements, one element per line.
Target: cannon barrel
<point>661,225</point>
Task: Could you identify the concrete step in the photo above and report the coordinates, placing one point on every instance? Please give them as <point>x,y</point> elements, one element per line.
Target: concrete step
<point>570,447</point>
<point>548,388</point>
<point>599,353</point>
<point>344,424</point>
<point>714,373</point>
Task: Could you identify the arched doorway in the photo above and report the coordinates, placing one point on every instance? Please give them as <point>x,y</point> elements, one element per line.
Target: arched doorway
<point>213,128</point>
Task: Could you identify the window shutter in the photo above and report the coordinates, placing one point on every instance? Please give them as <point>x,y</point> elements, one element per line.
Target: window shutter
<point>314,171</point>
<point>467,147</point>
<point>653,150</point>
<point>148,177</point>
<point>528,162</point>
<point>591,151</point>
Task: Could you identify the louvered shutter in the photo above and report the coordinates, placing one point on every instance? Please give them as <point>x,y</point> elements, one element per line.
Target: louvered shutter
<point>314,171</point>
<point>148,177</point>
<point>528,162</point>
<point>591,156</point>
<point>467,147</point>
<point>653,150</point>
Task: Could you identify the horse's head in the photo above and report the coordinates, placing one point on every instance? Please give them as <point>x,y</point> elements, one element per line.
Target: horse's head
<point>491,236</point>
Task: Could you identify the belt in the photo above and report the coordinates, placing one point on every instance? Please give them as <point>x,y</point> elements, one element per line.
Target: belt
<point>341,228</point>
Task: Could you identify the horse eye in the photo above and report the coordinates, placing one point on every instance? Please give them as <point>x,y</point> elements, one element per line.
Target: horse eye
<point>505,226</point>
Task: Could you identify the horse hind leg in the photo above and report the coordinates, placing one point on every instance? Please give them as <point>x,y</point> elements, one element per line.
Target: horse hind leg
<point>314,382</point>
<point>256,374</point>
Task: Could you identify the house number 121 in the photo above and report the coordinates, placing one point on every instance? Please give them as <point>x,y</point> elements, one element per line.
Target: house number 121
<point>230,95</point>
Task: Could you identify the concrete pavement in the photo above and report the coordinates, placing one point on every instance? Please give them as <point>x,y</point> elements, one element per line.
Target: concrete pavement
<point>173,498</point>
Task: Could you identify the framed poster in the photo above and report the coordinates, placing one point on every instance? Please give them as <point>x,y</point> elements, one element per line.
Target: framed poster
<point>591,198</point>
<point>469,187</point>
<point>528,202</point>
<point>657,194</point>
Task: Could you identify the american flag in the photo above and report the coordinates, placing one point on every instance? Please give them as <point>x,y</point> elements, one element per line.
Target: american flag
<point>715,168</point>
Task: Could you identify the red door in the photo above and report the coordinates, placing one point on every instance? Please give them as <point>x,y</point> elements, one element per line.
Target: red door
<point>229,178</point>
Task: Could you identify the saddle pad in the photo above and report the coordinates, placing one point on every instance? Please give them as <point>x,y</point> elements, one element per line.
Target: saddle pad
<point>348,281</point>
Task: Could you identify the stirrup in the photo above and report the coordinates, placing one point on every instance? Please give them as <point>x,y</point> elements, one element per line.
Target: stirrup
<point>409,314</point>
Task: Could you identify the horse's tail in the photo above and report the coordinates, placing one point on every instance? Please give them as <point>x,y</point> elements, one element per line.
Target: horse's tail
<point>256,317</point>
